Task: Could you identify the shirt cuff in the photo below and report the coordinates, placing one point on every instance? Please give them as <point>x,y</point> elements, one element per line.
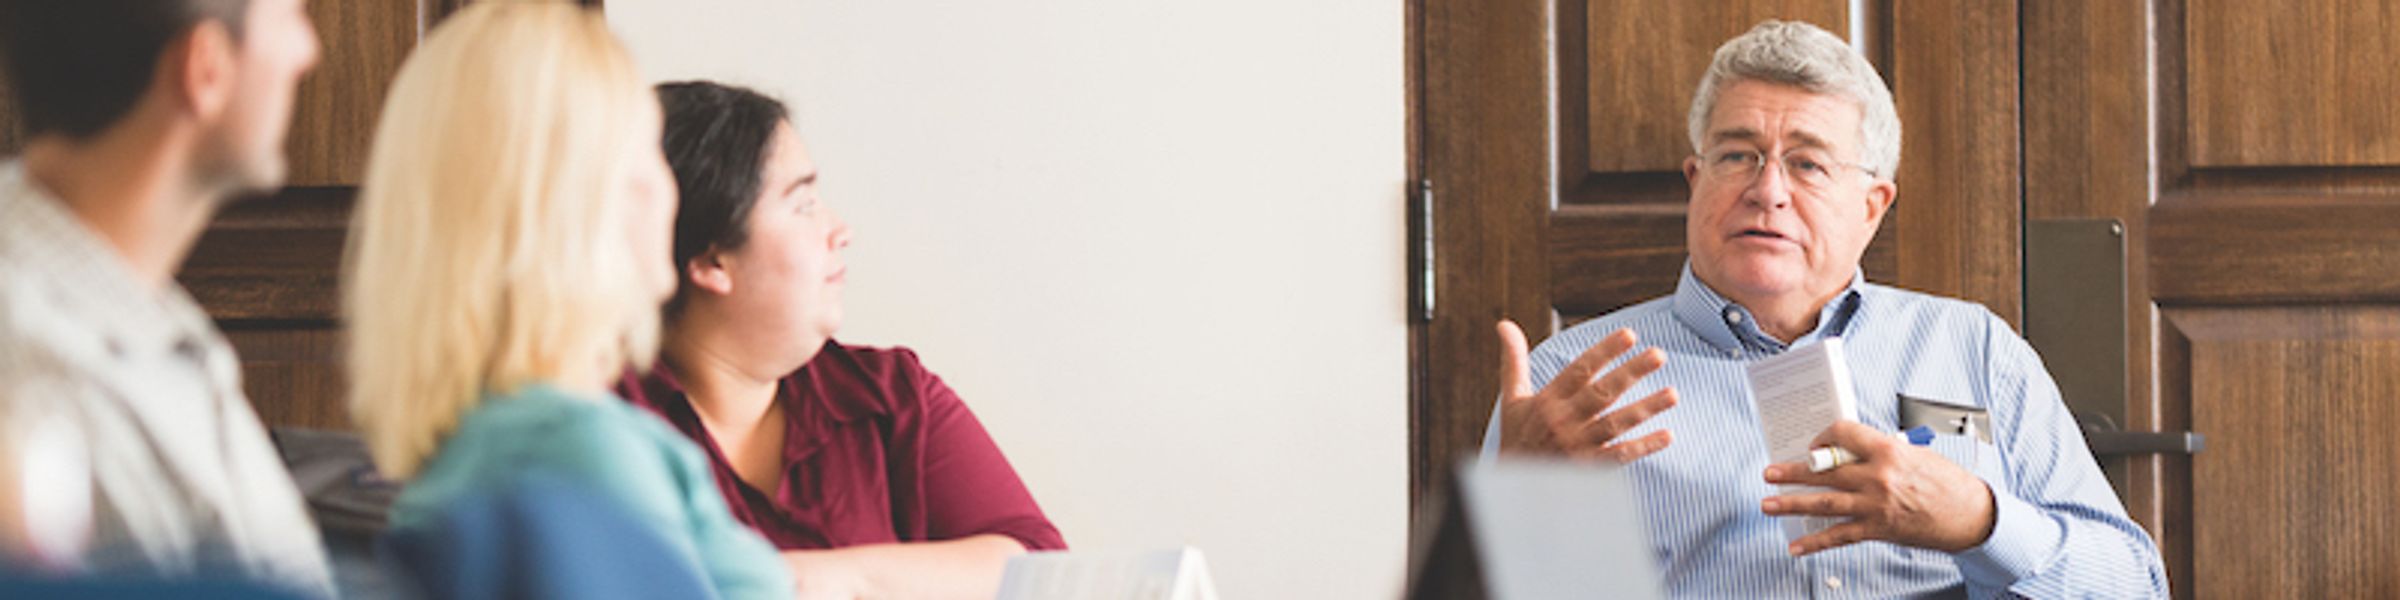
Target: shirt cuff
<point>2023,541</point>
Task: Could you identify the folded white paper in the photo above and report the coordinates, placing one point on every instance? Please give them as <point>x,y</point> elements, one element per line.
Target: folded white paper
<point>1800,393</point>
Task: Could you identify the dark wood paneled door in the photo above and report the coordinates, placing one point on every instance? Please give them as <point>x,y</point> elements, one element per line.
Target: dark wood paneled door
<point>2251,153</point>
<point>1551,136</point>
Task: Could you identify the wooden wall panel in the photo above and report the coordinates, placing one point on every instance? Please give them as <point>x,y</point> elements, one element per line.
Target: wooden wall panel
<point>334,116</point>
<point>2297,404</point>
<point>1954,72</point>
<point>292,373</point>
<point>2300,82</point>
<point>272,259</point>
<point>268,271</point>
<point>1649,55</point>
<point>1603,258</point>
<point>2259,248</point>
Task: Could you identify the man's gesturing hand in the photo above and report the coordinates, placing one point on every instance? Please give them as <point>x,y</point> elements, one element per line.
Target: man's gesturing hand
<point>1565,418</point>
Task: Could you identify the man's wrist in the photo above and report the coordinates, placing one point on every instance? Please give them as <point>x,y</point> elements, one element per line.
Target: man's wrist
<point>2022,541</point>
<point>1986,518</point>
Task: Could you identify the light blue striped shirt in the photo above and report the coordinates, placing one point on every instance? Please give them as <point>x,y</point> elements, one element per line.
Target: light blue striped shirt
<point>2059,530</point>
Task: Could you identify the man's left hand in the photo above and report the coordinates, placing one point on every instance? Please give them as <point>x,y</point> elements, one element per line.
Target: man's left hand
<point>1894,492</point>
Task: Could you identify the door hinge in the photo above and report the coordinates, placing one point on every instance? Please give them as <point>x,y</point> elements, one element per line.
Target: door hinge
<point>1421,227</point>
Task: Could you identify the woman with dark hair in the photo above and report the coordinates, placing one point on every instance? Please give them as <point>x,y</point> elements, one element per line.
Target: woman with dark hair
<point>867,471</point>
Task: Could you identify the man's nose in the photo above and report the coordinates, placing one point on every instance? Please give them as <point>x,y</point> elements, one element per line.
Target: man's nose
<point>1771,189</point>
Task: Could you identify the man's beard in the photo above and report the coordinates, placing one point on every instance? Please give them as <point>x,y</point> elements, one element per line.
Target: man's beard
<point>225,171</point>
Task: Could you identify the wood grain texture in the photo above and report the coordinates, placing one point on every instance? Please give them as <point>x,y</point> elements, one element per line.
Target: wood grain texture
<point>1647,58</point>
<point>1604,258</point>
<point>275,258</point>
<point>2163,484</point>
<point>2305,82</point>
<point>1487,113</point>
<point>2269,259</point>
<point>2274,248</point>
<point>2296,403</point>
<point>268,270</point>
<point>1954,74</point>
<point>292,373</point>
<point>334,116</point>
<point>1583,185</point>
<point>2087,80</point>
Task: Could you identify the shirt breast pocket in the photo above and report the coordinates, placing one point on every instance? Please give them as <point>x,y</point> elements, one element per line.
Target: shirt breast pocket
<point>1971,454</point>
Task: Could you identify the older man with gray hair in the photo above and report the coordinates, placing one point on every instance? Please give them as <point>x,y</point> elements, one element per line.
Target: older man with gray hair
<point>1795,141</point>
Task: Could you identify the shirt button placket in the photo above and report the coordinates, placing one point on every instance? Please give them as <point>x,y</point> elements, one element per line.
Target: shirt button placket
<point>1733,323</point>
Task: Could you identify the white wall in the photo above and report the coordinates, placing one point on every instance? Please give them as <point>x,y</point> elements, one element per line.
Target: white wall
<point>1156,245</point>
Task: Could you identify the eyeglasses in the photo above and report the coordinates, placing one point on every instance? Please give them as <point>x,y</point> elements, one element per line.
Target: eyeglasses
<point>1808,168</point>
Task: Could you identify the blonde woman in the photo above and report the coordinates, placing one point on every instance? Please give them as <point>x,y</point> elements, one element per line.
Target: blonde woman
<point>508,260</point>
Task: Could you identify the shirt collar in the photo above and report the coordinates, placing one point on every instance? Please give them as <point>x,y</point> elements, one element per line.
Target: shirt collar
<point>86,276</point>
<point>1731,327</point>
<point>661,390</point>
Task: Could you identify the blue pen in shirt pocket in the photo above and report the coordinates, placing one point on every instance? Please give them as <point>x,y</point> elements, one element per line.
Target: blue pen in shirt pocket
<point>1959,432</point>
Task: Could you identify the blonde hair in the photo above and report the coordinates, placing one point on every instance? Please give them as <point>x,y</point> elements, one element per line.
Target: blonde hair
<point>489,248</point>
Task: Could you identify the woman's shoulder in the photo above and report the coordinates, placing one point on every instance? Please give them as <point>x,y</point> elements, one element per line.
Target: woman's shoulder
<point>542,410</point>
<point>586,433</point>
<point>588,438</point>
<point>860,381</point>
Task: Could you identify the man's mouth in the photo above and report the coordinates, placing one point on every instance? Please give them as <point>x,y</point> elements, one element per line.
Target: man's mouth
<point>1759,233</point>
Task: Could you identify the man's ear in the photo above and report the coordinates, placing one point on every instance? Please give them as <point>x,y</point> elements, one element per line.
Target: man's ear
<point>709,272</point>
<point>1879,200</point>
<point>198,70</point>
<point>1691,172</point>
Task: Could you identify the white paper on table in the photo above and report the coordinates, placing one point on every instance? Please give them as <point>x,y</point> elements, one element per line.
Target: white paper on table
<point>1800,393</point>
<point>1179,574</point>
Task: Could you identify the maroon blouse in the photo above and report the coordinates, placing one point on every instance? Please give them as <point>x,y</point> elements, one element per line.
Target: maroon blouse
<point>877,450</point>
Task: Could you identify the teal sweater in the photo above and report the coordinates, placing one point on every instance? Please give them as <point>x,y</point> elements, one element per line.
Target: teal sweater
<point>614,449</point>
